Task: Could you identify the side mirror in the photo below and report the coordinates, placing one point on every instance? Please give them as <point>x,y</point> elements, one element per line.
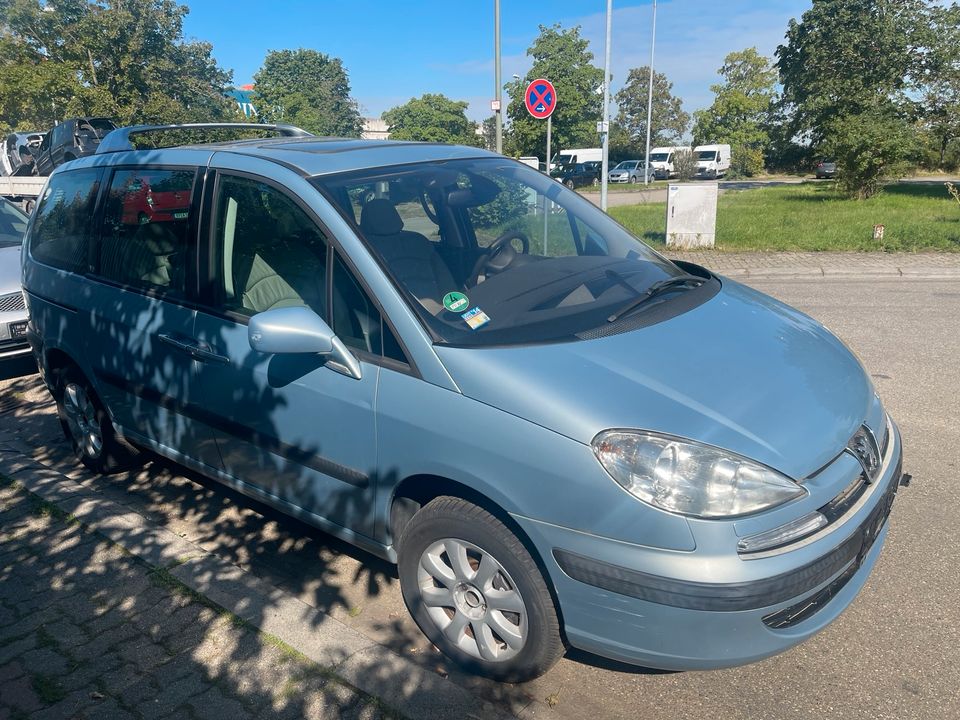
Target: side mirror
<point>299,330</point>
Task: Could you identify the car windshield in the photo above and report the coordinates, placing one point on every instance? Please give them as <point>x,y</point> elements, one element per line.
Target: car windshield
<point>13,224</point>
<point>626,165</point>
<point>707,155</point>
<point>659,157</point>
<point>491,252</point>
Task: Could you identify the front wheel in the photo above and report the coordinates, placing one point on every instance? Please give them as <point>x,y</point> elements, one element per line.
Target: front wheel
<point>569,184</point>
<point>476,593</point>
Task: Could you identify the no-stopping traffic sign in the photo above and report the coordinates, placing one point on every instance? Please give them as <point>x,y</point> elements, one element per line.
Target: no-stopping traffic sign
<point>540,98</point>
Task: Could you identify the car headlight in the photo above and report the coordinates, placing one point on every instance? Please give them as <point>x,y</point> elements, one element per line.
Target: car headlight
<point>688,478</point>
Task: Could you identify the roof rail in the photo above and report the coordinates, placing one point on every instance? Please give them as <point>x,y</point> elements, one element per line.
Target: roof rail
<point>119,140</point>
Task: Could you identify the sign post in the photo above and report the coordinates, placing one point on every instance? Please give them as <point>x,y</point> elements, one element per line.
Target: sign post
<point>540,99</point>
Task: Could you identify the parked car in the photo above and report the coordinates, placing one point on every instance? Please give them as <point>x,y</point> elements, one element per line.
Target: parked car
<point>631,171</point>
<point>13,310</point>
<point>575,175</point>
<point>559,435</point>
<point>713,161</point>
<point>826,168</point>
<point>70,140</point>
<point>17,153</point>
<point>596,168</point>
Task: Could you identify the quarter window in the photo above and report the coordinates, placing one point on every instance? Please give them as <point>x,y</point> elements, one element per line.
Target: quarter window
<point>62,224</point>
<point>146,238</point>
<point>356,320</point>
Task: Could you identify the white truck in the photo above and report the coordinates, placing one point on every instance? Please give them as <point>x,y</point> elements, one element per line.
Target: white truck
<point>713,161</point>
<point>576,155</point>
<point>23,190</point>
<point>661,160</point>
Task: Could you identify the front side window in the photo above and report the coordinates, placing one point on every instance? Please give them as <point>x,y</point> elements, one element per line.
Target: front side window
<point>147,238</point>
<point>518,257</point>
<point>270,254</point>
<point>61,227</point>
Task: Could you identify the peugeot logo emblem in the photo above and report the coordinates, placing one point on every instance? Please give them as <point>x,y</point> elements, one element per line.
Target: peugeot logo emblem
<point>863,446</point>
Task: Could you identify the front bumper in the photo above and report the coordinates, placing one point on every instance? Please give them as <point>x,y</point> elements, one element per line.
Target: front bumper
<point>614,606</point>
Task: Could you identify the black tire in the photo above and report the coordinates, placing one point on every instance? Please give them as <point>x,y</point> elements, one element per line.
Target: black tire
<point>569,184</point>
<point>82,416</point>
<point>533,644</point>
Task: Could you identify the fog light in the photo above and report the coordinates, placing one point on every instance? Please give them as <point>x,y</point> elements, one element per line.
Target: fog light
<point>783,535</point>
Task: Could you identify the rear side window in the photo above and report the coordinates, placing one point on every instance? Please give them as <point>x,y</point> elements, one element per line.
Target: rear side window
<point>146,234</point>
<point>61,228</point>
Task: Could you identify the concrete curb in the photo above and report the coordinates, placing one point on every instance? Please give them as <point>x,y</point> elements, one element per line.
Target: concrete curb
<point>354,658</point>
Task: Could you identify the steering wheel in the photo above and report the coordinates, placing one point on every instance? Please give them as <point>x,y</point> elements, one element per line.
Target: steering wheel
<point>499,255</point>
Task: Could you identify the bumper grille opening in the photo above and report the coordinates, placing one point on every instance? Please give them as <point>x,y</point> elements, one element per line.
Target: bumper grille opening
<point>12,302</point>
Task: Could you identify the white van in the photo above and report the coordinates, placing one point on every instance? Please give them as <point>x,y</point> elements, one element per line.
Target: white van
<point>713,161</point>
<point>577,155</point>
<point>661,160</point>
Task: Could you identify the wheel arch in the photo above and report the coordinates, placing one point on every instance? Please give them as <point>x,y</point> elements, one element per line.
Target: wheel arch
<point>415,491</point>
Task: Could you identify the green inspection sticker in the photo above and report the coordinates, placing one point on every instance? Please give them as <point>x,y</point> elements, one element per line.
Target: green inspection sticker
<point>455,301</point>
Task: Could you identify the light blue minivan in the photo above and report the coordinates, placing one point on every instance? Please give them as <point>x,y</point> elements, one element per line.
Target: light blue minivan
<point>559,436</point>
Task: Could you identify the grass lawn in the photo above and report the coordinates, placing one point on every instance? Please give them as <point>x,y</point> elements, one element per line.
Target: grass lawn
<point>814,216</point>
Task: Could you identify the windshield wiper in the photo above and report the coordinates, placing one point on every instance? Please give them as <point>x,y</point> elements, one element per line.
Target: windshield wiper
<point>654,290</point>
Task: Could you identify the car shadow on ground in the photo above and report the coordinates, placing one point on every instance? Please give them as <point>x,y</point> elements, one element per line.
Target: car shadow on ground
<point>330,575</point>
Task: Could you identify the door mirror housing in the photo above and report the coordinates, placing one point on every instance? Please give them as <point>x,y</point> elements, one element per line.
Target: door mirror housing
<point>299,330</point>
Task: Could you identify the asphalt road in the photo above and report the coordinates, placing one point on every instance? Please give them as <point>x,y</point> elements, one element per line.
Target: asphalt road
<point>894,654</point>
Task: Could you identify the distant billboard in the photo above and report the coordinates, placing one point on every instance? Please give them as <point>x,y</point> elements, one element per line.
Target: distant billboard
<point>243,96</point>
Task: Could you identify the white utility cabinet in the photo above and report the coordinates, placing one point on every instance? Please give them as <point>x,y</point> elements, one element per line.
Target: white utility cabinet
<point>692,215</point>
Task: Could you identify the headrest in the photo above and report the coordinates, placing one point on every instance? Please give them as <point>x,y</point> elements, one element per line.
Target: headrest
<point>380,217</point>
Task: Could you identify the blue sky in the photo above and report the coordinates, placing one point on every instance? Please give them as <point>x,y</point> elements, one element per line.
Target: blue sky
<point>397,50</point>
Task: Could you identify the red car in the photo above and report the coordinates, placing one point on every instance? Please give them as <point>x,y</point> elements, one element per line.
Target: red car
<point>144,202</point>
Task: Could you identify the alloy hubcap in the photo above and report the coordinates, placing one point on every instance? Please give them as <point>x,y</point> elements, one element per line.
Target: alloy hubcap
<point>473,600</point>
<point>81,416</point>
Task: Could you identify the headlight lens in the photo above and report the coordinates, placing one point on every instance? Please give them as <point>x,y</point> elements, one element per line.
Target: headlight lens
<point>688,478</point>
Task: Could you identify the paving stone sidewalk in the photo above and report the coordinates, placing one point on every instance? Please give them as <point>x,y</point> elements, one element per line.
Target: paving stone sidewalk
<point>824,264</point>
<point>88,631</point>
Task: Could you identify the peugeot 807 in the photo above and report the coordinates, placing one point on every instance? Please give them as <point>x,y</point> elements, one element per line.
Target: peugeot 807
<point>445,357</point>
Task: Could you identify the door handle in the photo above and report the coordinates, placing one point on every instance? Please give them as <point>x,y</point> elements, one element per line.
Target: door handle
<point>180,345</point>
<point>196,350</point>
<point>203,353</point>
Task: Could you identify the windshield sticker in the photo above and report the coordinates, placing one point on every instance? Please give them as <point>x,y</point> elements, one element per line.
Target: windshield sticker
<point>455,301</point>
<point>475,318</point>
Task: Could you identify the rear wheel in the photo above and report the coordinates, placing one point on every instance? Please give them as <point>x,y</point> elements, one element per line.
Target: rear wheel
<point>476,593</point>
<point>87,425</point>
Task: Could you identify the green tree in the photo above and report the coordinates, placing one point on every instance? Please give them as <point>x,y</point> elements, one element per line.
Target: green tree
<point>668,121</point>
<point>308,89</point>
<point>846,69</point>
<point>562,57</point>
<point>489,128</point>
<point>126,59</point>
<point>433,118</point>
<point>940,103</point>
<point>740,113</point>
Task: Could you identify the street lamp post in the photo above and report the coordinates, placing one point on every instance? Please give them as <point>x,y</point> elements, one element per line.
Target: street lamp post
<point>653,41</point>
<point>605,127</point>
<point>498,92</point>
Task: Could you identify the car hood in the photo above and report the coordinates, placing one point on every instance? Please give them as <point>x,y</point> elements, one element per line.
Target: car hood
<point>742,372</point>
<point>9,270</point>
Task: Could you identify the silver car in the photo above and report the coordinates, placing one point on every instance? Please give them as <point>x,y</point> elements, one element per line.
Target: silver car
<point>631,171</point>
<point>13,312</point>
